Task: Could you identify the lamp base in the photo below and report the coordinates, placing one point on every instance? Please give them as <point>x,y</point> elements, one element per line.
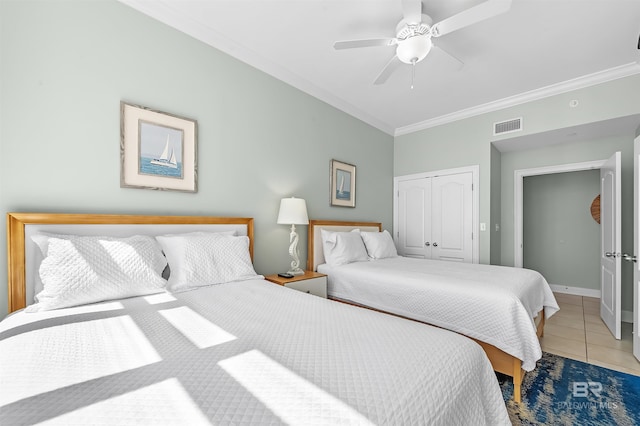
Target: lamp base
<point>293,252</point>
<point>296,271</point>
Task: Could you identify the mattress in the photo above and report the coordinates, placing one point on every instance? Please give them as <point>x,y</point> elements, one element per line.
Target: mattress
<point>247,352</point>
<point>494,304</point>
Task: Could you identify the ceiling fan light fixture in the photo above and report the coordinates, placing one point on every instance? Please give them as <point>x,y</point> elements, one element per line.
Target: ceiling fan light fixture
<point>414,49</point>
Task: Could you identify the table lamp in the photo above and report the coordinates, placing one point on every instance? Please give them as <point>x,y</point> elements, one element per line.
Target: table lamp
<point>293,211</point>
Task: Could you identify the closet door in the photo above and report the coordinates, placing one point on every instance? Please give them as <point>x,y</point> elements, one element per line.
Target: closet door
<point>452,217</point>
<point>435,217</point>
<point>414,218</point>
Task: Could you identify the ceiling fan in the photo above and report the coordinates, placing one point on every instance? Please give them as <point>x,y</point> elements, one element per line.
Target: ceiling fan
<point>415,31</point>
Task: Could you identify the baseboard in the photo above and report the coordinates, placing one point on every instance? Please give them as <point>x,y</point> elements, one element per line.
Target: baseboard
<point>578,291</point>
<point>625,316</point>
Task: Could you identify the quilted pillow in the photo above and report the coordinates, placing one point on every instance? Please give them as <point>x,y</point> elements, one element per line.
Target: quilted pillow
<point>42,241</point>
<point>343,247</point>
<point>85,269</point>
<point>379,244</point>
<point>201,259</point>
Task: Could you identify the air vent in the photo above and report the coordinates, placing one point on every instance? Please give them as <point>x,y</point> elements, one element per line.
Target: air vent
<point>508,126</point>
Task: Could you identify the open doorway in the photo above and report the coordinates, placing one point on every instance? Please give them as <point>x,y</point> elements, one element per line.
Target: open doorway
<point>561,238</point>
<point>592,342</point>
<point>519,191</point>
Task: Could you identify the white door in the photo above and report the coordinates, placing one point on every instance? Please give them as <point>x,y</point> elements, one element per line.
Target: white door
<point>610,257</point>
<point>414,218</point>
<point>636,248</point>
<point>452,217</point>
<point>435,217</point>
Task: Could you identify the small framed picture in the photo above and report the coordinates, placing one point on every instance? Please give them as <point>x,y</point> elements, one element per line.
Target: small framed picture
<point>158,150</point>
<point>343,184</point>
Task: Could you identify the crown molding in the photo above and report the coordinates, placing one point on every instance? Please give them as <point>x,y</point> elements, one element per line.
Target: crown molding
<point>165,13</point>
<point>610,74</point>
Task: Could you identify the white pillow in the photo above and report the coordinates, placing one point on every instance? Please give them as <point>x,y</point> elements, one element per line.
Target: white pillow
<point>42,241</point>
<point>167,272</point>
<point>201,259</point>
<point>78,270</point>
<point>343,247</point>
<point>379,244</point>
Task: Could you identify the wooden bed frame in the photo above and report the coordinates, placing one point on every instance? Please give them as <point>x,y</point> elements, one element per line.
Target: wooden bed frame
<point>501,361</point>
<point>18,244</point>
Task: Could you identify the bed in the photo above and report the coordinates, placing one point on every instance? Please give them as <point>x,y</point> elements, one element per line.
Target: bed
<point>502,308</point>
<point>243,351</point>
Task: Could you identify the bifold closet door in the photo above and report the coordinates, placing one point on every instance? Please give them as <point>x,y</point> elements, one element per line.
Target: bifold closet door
<point>435,217</point>
<point>414,218</point>
<point>452,217</point>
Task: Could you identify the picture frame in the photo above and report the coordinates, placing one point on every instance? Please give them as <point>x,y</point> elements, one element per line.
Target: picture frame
<point>158,150</point>
<point>343,184</point>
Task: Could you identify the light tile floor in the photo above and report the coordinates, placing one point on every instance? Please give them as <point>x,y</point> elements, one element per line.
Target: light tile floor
<point>577,332</point>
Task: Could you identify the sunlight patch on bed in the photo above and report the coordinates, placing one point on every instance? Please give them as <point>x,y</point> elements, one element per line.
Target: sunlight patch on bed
<point>289,396</point>
<point>156,299</point>
<point>163,403</point>
<point>199,330</point>
<point>72,353</point>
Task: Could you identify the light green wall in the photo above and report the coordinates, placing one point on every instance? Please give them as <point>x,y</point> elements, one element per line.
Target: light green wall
<point>561,240</point>
<point>591,150</point>
<point>66,65</point>
<point>468,141</point>
<point>446,147</point>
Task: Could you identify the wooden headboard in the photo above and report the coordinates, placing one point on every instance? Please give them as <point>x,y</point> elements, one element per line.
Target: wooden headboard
<point>315,254</point>
<point>23,257</point>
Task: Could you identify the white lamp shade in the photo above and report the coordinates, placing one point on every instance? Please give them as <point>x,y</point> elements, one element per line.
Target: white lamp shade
<point>293,211</point>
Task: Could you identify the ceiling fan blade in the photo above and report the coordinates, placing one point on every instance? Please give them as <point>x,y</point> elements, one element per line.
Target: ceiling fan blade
<point>470,16</point>
<point>388,69</point>
<point>440,55</point>
<point>351,44</point>
<point>412,11</point>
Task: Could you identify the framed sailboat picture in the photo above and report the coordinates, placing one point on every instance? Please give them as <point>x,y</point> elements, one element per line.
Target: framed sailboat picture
<point>343,184</point>
<point>157,150</point>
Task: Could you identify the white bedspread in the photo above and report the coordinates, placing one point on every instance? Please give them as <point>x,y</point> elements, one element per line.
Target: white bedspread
<point>239,353</point>
<point>494,304</point>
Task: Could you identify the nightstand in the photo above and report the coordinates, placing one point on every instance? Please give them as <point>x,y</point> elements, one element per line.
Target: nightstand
<point>311,282</point>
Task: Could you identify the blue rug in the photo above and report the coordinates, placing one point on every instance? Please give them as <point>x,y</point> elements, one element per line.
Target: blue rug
<point>561,391</point>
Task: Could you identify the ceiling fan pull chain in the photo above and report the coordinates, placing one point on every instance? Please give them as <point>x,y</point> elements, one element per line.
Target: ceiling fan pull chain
<point>413,72</point>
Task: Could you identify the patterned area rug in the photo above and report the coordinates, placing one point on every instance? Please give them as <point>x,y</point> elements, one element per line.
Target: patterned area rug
<point>561,391</point>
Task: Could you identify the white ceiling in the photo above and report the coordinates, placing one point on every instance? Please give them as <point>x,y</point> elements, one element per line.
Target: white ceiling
<point>536,49</point>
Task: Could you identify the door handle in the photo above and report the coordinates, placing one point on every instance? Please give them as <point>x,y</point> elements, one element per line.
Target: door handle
<point>629,258</point>
<point>427,244</point>
<point>435,244</point>
<point>609,254</point>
